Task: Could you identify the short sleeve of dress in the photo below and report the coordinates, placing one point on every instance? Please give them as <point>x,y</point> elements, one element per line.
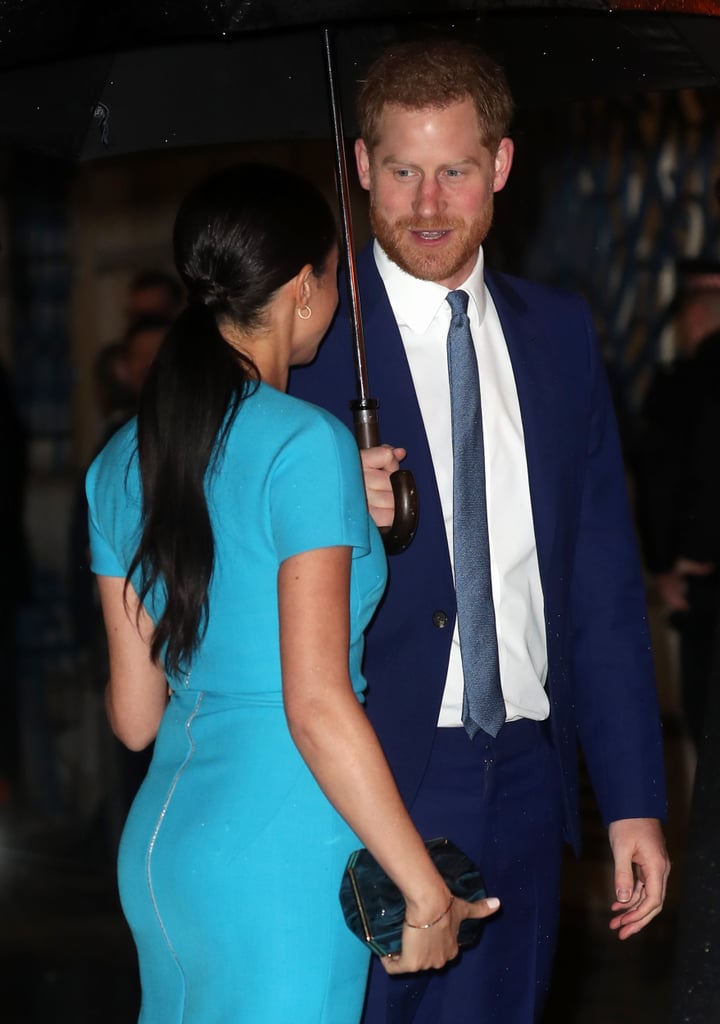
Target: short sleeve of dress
<point>317,496</point>
<point>107,486</point>
<point>103,560</point>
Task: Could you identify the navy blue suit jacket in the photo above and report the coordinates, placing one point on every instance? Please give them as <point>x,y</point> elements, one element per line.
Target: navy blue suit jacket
<point>601,681</point>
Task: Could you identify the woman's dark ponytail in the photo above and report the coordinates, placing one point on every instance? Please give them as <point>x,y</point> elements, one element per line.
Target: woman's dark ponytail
<point>186,407</point>
<point>239,236</point>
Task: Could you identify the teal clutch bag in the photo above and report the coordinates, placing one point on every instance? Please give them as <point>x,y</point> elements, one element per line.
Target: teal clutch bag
<point>373,906</point>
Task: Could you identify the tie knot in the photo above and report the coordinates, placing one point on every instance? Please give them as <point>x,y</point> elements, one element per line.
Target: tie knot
<point>458,302</point>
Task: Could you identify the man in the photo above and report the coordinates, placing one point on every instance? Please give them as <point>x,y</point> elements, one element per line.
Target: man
<point>120,372</point>
<point>570,634</point>
<point>142,341</point>
<point>16,580</point>
<point>678,486</point>
<point>696,974</point>
<point>153,293</point>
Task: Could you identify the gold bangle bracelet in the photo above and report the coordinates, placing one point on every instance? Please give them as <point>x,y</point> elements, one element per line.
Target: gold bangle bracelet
<point>430,924</point>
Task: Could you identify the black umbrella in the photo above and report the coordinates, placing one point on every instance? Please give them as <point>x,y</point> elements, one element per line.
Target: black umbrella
<point>81,81</point>
<point>191,93</point>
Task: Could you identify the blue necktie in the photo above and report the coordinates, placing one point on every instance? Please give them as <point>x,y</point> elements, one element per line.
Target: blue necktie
<point>483,705</point>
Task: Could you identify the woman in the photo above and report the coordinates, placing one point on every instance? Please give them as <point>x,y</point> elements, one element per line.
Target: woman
<point>237,569</point>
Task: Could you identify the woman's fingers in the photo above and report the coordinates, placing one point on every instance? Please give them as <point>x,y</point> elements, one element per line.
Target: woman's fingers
<point>434,947</point>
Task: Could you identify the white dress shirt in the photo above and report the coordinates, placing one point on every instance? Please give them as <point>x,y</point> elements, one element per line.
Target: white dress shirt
<point>423,318</point>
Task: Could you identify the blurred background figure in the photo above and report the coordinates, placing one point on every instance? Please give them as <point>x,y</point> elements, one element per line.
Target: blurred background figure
<point>120,370</point>
<point>154,293</point>
<point>15,581</point>
<point>140,346</point>
<point>114,399</point>
<point>113,393</point>
<point>696,979</point>
<point>677,482</point>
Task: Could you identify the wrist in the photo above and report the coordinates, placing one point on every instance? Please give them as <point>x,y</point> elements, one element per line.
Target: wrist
<point>435,920</point>
<point>428,903</point>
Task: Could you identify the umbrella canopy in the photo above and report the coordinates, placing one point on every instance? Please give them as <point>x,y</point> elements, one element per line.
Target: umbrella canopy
<point>81,80</point>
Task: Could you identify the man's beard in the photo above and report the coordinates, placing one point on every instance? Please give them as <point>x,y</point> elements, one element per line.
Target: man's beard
<point>429,264</point>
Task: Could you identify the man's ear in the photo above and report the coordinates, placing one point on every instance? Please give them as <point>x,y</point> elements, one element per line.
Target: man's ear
<point>503,163</point>
<point>362,159</point>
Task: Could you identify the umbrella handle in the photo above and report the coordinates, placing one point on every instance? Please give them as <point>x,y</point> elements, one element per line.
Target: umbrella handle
<point>400,533</point>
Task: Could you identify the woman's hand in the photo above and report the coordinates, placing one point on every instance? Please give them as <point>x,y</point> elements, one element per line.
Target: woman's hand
<point>424,948</point>
<point>334,736</point>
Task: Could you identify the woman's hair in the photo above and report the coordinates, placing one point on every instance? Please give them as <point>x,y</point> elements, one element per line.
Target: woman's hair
<point>239,236</point>
<point>435,73</point>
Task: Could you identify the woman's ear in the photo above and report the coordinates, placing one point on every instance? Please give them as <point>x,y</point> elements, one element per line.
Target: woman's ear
<point>303,286</point>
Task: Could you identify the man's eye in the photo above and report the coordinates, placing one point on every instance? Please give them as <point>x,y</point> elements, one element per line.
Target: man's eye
<point>453,172</point>
<point>402,172</point>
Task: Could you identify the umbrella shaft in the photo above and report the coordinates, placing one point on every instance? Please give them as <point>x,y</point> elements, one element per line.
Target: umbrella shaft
<point>341,174</point>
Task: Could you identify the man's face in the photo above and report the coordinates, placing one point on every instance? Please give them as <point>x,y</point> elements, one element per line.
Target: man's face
<point>153,300</point>
<point>142,348</point>
<point>431,184</point>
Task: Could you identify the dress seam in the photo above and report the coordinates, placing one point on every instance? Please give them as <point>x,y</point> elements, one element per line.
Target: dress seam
<point>158,826</point>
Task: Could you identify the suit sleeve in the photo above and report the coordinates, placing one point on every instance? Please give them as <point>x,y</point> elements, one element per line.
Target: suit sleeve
<point>613,672</point>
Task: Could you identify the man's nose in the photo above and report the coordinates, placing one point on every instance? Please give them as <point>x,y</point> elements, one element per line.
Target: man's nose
<point>428,198</point>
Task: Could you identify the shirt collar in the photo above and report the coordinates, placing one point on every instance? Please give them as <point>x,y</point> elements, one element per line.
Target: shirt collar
<point>416,303</point>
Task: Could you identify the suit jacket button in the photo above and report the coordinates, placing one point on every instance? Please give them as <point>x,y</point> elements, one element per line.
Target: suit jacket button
<point>440,619</point>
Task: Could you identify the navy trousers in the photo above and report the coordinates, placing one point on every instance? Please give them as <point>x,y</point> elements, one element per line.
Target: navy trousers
<point>499,801</point>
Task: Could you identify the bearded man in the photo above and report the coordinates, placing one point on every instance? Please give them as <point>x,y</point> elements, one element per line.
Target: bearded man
<point>514,625</point>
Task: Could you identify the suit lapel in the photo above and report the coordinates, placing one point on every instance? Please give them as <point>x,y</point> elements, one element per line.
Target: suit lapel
<point>537,397</point>
<point>400,417</point>
<point>388,370</point>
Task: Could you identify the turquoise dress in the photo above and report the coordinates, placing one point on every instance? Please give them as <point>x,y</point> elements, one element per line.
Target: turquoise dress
<point>231,857</point>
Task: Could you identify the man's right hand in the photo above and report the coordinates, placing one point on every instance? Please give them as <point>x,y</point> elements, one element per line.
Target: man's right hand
<point>378,464</point>
<point>671,587</point>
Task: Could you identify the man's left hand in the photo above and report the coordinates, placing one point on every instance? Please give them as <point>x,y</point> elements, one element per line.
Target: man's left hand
<point>642,867</point>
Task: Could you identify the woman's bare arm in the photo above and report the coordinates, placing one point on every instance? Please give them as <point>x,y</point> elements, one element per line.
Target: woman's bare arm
<point>137,692</point>
<point>337,741</point>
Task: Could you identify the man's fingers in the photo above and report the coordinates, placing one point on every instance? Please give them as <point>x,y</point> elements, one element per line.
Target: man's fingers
<point>625,903</point>
<point>689,567</point>
<point>382,457</point>
<point>631,921</point>
<point>624,885</point>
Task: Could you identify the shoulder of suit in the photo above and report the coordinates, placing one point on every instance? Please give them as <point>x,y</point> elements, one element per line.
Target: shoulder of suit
<point>510,286</point>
